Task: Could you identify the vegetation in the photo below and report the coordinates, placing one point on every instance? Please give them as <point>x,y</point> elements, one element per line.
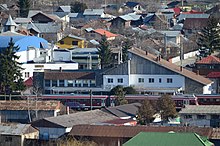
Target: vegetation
<point>145,113</point>
<point>120,95</point>
<point>77,7</point>
<point>209,39</point>
<point>105,54</point>
<point>10,70</point>
<point>126,45</point>
<point>24,7</point>
<point>166,107</point>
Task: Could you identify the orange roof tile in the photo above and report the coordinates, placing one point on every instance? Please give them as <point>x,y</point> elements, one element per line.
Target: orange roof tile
<point>209,60</point>
<point>105,32</point>
<point>171,66</point>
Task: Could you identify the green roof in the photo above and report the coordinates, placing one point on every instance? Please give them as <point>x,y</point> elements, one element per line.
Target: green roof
<point>167,139</point>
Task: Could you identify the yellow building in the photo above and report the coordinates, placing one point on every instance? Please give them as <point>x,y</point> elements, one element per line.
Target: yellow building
<point>71,41</point>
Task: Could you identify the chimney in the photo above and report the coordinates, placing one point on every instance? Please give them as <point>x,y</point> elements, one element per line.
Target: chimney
<point>158,58</point>
<point>61,69</point>
<point>181,68</point>
<point>146,53</point>
<point>197,72</point>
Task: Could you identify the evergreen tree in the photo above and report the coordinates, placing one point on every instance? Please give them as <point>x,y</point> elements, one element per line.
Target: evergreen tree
<point>130,90</point>
<point>145,113</point>
<point>10,73</point>
<point>105,54</point>
<point>209,38</point>
<point>78,7</point>
<point>24,7</point>
<point>126,45</point>
<point>166,106</point>
<point>119,94</point>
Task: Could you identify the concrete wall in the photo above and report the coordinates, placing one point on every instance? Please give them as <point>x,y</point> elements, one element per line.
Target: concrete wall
<point>187,55</point>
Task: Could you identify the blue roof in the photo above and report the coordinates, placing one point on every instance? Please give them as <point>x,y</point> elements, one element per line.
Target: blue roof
<point>23,42</point>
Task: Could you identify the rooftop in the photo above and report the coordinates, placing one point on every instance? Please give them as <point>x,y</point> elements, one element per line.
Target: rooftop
<point>93,11</point>
<point>200,109</point>
<point>15,129</point>
<point>209,60</point>
<point>105,32</point>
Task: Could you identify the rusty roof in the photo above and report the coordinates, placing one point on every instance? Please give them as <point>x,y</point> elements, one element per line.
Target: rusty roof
<point>209,60</point>
<point>68,75</point>
<point>31,105</point>
<point>131,131</point>
<point>171,66</point>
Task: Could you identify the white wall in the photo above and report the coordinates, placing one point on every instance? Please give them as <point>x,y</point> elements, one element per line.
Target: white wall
<point>208,89</point>
<point>42,66</point>
<point>61,56</point>
<point>115,78</point>
<point>187,55</point>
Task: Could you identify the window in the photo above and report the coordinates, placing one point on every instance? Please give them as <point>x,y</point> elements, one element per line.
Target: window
<point>85,83</point>
<point>27,74</point>
<point>61,83</point>
<point>54,83</point>
<point>140,80</point>
<point>151,80</point>
<point>61,42</point>
<point>78,83</point>
<point>47,83</point>
<point>8,139</point>
<point>188,116</point>
<point>110,80</point>
<point>160,80</point>
<point>169,80</point>
<point>75,43</point>
<point>70,83</point>
<point>92,83</point>
<point>120,80</point>
<point>201,117</point>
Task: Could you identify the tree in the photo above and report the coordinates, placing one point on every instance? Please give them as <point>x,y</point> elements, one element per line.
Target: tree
<point>24,7</point>
<point>119,94</point>
<point>126,45</point>
<point>78,7</point>
<point>209,39</point>
<point>10,70</point>
<point>105,54</point>
<point>145,113</point>
<point>129,90</point>
<point>166,106</point>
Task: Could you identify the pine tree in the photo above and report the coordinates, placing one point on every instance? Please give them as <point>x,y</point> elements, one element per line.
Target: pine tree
<point>105,54</point>
<point>145,113</point>
<point>119,93</point>
<point>166,106</point>
<point>126,45</point>
<point>209,38</point>
<point>24,7</point>
<point>10,74</point>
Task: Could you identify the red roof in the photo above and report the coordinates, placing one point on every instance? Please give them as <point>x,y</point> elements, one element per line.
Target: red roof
<point>193,12</point>
<point>105,32</point>
<point>29,82</point>
<point>209,60</point>
<point>177,10</point>
<point>214,74</point>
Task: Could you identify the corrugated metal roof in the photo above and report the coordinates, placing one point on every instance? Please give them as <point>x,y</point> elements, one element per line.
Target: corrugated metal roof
<point>166,139</point>
<point>93,12</point>
<point>84,50</point>
<point>183,16</point>
<point>200,109</point>
<point>48,27</point>
<point>13,129</point>
<point>22,20</point>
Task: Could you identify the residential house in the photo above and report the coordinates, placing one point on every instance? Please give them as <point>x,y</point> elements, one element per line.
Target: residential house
<point>9,25</point>
<point>93,14</point>
<point>71,41</point>
<point>215,77</point>
<point>76,17</point>
<point>133,6</point>
<point>22,21</point>
<point>40,17</point>
<point>156,21</point>
<point>110,135</point>
<point>17,134</point>
<point>194,25</point>
<point>97,34</point>
<point>63,13</point>
<point>201,115</point>
<point>182,17</point>
<point>151,74</point>
<point>207,65</point>
<point>30,47</point>
<point>168,139</point>
<point>26,111</point>
<point>66,9</point>
<point>54,127</point>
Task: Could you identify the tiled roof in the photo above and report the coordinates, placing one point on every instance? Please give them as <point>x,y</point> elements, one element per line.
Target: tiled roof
<point>105,32</point>
<point>23,105</point>
<point>209,60</point>
<point>15,129</point>
<point>171,66</point>
<point>68,75</point>
<point>214,74</point>
<point>131,131</point>
<point>200,109</point>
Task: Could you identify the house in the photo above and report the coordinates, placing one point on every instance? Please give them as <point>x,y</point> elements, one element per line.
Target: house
<point>25,111</point>
<point>194,25</point>
<point>97,34</point>
<point>157,21</point>
<point>17,134</point>
<point>207,65</point>
<point>30,47</point>
<point>71,41</point>
<point>93,14</point>
<point>63,9</point>
<point>63,13</point>
<point>9,25</point>
<point>55,127</point>
<point>110,135</point>
<point>135,6</point>
<point>171,36</point>
<point>201,115</point>
<point>150,74</point>
<point>215,77</point>
<point>40,17</point>
<point>182,17</point>
<point>168,139</point>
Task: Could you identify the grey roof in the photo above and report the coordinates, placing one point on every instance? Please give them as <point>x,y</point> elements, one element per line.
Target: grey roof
<point>61,14</point>
<point>130,16</point>
<point>89,29</point>
<point>22,20</point>
<point>73,15</point>
<point>170,33</point>
<point>201,109</point>
<point>76,37</point>
<point>177,27</point>
<point>94,42</point>
<point>4,7</point>
<point>184,16</point>
<point>84,50</point>
<point>33,12</point>
<point>125,110</point>
<point>48,27</point>
<point>32,26</point>
<point>93,11</point>
<point>13,129</point>
<point>10,22</point>
<point>65,8</point>
<point>87,117</point>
